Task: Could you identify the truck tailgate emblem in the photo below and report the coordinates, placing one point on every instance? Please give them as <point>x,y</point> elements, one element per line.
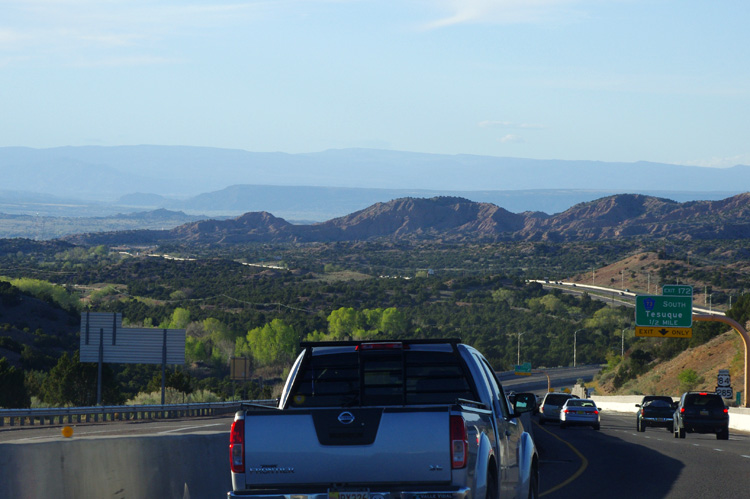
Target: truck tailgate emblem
<point>346,417</point>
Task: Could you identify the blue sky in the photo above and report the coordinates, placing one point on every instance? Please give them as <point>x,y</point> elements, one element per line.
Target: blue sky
<point>611,80</point>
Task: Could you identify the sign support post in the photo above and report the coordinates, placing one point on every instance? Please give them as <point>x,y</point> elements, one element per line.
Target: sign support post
<point>99,370</point>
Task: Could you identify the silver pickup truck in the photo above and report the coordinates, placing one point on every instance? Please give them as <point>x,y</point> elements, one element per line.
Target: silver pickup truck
<point>411,419</point>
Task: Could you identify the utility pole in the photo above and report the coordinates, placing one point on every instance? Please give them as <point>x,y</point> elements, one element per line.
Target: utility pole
<point>518,362</point>
<point>575,334</point>
<point>622,348</point>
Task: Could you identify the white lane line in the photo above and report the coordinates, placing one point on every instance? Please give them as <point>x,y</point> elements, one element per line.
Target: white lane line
<point>719,450</point>
<point>190,428</point>
<point>742,455</point>
<point>697,445</point>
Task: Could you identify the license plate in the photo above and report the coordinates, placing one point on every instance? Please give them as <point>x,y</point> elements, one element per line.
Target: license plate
<point>704,413</point>
<point>349,494</point>
<point>581,412</point>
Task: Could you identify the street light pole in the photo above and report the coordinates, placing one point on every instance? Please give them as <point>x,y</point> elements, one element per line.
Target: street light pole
<point>518,362</point>
<point>575,334</point>
<point>622,348</point>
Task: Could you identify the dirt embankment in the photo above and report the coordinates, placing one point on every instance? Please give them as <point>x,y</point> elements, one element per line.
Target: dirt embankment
<point>723,352</point>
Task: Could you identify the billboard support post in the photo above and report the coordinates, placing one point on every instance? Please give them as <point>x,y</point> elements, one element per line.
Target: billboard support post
<point>99,370</point>
<point>163,366</point>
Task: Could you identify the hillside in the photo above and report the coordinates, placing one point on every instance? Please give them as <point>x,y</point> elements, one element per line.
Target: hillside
<point>452,219</point>
<point>722,352</point>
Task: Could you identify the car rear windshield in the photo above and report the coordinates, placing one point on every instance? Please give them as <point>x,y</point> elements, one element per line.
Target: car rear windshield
<point>710,401</point>
<point>412,375</point>
<point>580,403</point>
<point>556,399</point>
<point>657,403</point>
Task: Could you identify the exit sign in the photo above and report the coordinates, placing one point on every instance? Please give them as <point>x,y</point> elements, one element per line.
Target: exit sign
<point>677,290</point>
<point>664,311</point>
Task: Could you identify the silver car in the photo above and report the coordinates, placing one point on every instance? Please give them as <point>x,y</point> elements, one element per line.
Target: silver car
<point>551,405</point>
<point>582,412</point>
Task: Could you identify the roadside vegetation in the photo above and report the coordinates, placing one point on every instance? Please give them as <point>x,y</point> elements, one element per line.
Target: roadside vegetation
<point>259,301</point>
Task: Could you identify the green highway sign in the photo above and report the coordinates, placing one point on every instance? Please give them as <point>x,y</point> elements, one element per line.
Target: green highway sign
<point>523,369</point>
<point>664,311</point>
<point>677,290</point>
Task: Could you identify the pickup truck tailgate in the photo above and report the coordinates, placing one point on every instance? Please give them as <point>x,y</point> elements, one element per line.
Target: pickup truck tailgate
<point>365,445</point>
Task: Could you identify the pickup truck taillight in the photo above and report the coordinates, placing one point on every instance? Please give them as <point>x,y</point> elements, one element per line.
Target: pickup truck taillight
<point>459,442</point>
<point>237,446</point>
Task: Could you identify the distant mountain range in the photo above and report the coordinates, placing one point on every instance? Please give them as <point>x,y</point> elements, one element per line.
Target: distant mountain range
<point>454,219</point>
<point>100,181</point>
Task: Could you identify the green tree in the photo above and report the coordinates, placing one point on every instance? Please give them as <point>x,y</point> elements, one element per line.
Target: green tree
<point>179,320</point>
<point>274,343</point>
<point>393,322</point>
<point>345,322</point>
<point>13,393</point>
<point>180,381</point>
<point>72,382</point>
<point>689,380</point>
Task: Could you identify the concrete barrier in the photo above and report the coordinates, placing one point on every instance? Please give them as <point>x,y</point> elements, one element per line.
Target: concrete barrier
<point>174,466</point>
<point>739,417</point>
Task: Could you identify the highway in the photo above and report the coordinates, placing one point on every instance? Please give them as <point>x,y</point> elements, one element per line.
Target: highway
<point>188,458</point>
<point>618,462</point>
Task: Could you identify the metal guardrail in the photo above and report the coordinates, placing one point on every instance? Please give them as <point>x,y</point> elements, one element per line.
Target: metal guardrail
<point>104,413</point>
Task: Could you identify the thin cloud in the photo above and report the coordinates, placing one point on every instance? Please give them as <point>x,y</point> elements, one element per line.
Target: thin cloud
<point>68,29</point>
<point>505,12</point>
<point>511,139</point>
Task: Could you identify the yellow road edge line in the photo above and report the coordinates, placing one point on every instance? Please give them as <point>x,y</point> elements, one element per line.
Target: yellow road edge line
<point>584,463</point>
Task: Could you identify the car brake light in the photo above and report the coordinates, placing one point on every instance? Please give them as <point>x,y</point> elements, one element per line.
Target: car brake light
<point>459,442</point>
<point>566,411</point>
<point>395,345</point>
<point>682,410</point>
<point>596,412</point>
<point>726,411</point>
<point>703,393</point>
<point>237,446</point>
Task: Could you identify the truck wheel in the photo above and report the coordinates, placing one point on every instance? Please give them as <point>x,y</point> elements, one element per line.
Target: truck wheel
<point>723,435</point>
<point>491,485</point>
<point>534,482</point>
<point>682,432</point>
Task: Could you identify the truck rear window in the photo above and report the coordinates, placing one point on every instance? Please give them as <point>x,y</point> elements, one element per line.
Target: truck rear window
<point>414,375</point>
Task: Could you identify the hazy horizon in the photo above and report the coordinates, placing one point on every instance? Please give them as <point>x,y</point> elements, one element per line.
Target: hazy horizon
<point>572,80</point>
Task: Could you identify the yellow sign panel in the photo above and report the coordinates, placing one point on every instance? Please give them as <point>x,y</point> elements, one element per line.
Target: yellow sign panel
<point>664,332</point>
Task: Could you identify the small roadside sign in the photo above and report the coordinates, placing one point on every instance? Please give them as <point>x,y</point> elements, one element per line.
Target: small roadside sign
<point>725,391</point>
<point>523,369</point>
<point>664,311</point>
<point>676,290</point>
<point>723,378</point>
<point>664,332</point>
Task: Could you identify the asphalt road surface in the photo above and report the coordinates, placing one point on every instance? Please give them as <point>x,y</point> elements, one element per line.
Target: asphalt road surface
<point>618,462</point>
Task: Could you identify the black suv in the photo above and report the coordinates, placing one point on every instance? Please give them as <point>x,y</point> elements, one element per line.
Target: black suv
<point>655,411</point>
<point>701,412</point>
